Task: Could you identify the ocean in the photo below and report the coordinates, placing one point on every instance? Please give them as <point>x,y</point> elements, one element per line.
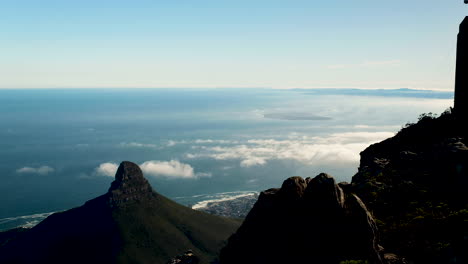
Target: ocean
<point>60,147</point>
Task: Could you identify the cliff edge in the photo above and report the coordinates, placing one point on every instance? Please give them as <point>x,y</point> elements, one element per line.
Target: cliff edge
<point>415,185</point>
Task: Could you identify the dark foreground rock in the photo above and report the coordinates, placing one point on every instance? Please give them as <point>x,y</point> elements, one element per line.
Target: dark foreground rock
<point>415,184</point>
<point>187,258</point>
<point>305,221</point>
<point>129,224</point>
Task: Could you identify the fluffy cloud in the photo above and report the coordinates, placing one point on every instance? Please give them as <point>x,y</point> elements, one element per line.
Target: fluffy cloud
<point>339,147</point>
<point>253,161</point>
<point>43,170</point>
<point>171,143</point>
<point>106,169</point>
<point>155,168</point>
<point>170,169</point>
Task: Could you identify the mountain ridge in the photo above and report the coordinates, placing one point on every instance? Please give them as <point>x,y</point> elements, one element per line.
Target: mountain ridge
<point>129,224</point>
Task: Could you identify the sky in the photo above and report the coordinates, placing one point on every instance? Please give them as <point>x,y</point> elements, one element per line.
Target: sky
<point>242,43</point>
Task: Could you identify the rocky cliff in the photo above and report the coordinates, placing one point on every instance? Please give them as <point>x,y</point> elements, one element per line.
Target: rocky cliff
<point>129,224</point>
<point>415,184</point>
<point>305,221</point>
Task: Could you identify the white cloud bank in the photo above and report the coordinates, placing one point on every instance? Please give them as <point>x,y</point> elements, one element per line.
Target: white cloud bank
<point>43,170</point>
<point>171,143</point>
<point>168,169</point>
<point>106,169</point>
<point>335,148</point>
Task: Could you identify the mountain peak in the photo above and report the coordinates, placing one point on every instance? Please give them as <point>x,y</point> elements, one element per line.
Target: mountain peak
<point>131,223</point>
<point>129,184</point>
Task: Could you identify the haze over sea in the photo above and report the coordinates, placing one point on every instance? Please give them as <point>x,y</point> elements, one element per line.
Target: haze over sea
<point>61,147</point>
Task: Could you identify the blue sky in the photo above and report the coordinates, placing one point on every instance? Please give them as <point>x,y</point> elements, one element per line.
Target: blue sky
<point>278,44</point>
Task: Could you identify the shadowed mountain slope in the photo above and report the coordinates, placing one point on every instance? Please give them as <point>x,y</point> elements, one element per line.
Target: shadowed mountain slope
<point>129,224</point>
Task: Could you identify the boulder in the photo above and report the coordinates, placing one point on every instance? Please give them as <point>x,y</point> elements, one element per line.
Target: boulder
<point>306,221</point>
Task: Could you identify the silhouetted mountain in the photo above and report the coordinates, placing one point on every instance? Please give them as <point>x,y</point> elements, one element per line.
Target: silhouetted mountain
<point>11,234</point>
<point>306,221</point>
<point>416,186</point>
<point>129,224</point>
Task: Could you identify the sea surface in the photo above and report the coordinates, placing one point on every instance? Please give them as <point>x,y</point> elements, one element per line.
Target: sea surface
<point>61,147</point>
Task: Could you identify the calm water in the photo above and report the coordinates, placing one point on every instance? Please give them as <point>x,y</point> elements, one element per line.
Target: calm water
<point>59,148</point>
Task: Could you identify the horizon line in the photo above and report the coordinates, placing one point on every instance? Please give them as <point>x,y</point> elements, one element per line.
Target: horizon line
<point>227,88</point>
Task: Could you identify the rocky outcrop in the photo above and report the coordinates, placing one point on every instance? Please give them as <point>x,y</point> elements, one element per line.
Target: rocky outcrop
<point>129,185</point>
<point>415,185</point>
<point>305,221</point>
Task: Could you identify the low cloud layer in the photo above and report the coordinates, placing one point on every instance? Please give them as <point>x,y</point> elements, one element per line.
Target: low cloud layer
<point>137,145</point>
<point>168,169</point>
<point>42,170</point>
<point>339,147</point>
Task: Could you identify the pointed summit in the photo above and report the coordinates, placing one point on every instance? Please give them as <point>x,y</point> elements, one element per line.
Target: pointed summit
<point>128,171</point>
<point>129,224</point>
<point>129,185</point>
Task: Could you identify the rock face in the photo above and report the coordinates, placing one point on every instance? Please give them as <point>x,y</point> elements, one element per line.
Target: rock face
<point>129,185</point>
<point>129,224</point>
<point>415,184</point>
<point>461,79</point>
<point>305,221</point>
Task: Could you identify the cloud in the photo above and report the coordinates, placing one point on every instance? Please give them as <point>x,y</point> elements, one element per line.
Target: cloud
<point>214,141</point>
<point>107,169</point>
<point>156,168</point>
<point>339,147</point>
<point>137,145</point>
<point>204,174</point>
<point>43,170</point>
<point>253,161</point>
<point>171,143</point>
<point>170,169</point>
